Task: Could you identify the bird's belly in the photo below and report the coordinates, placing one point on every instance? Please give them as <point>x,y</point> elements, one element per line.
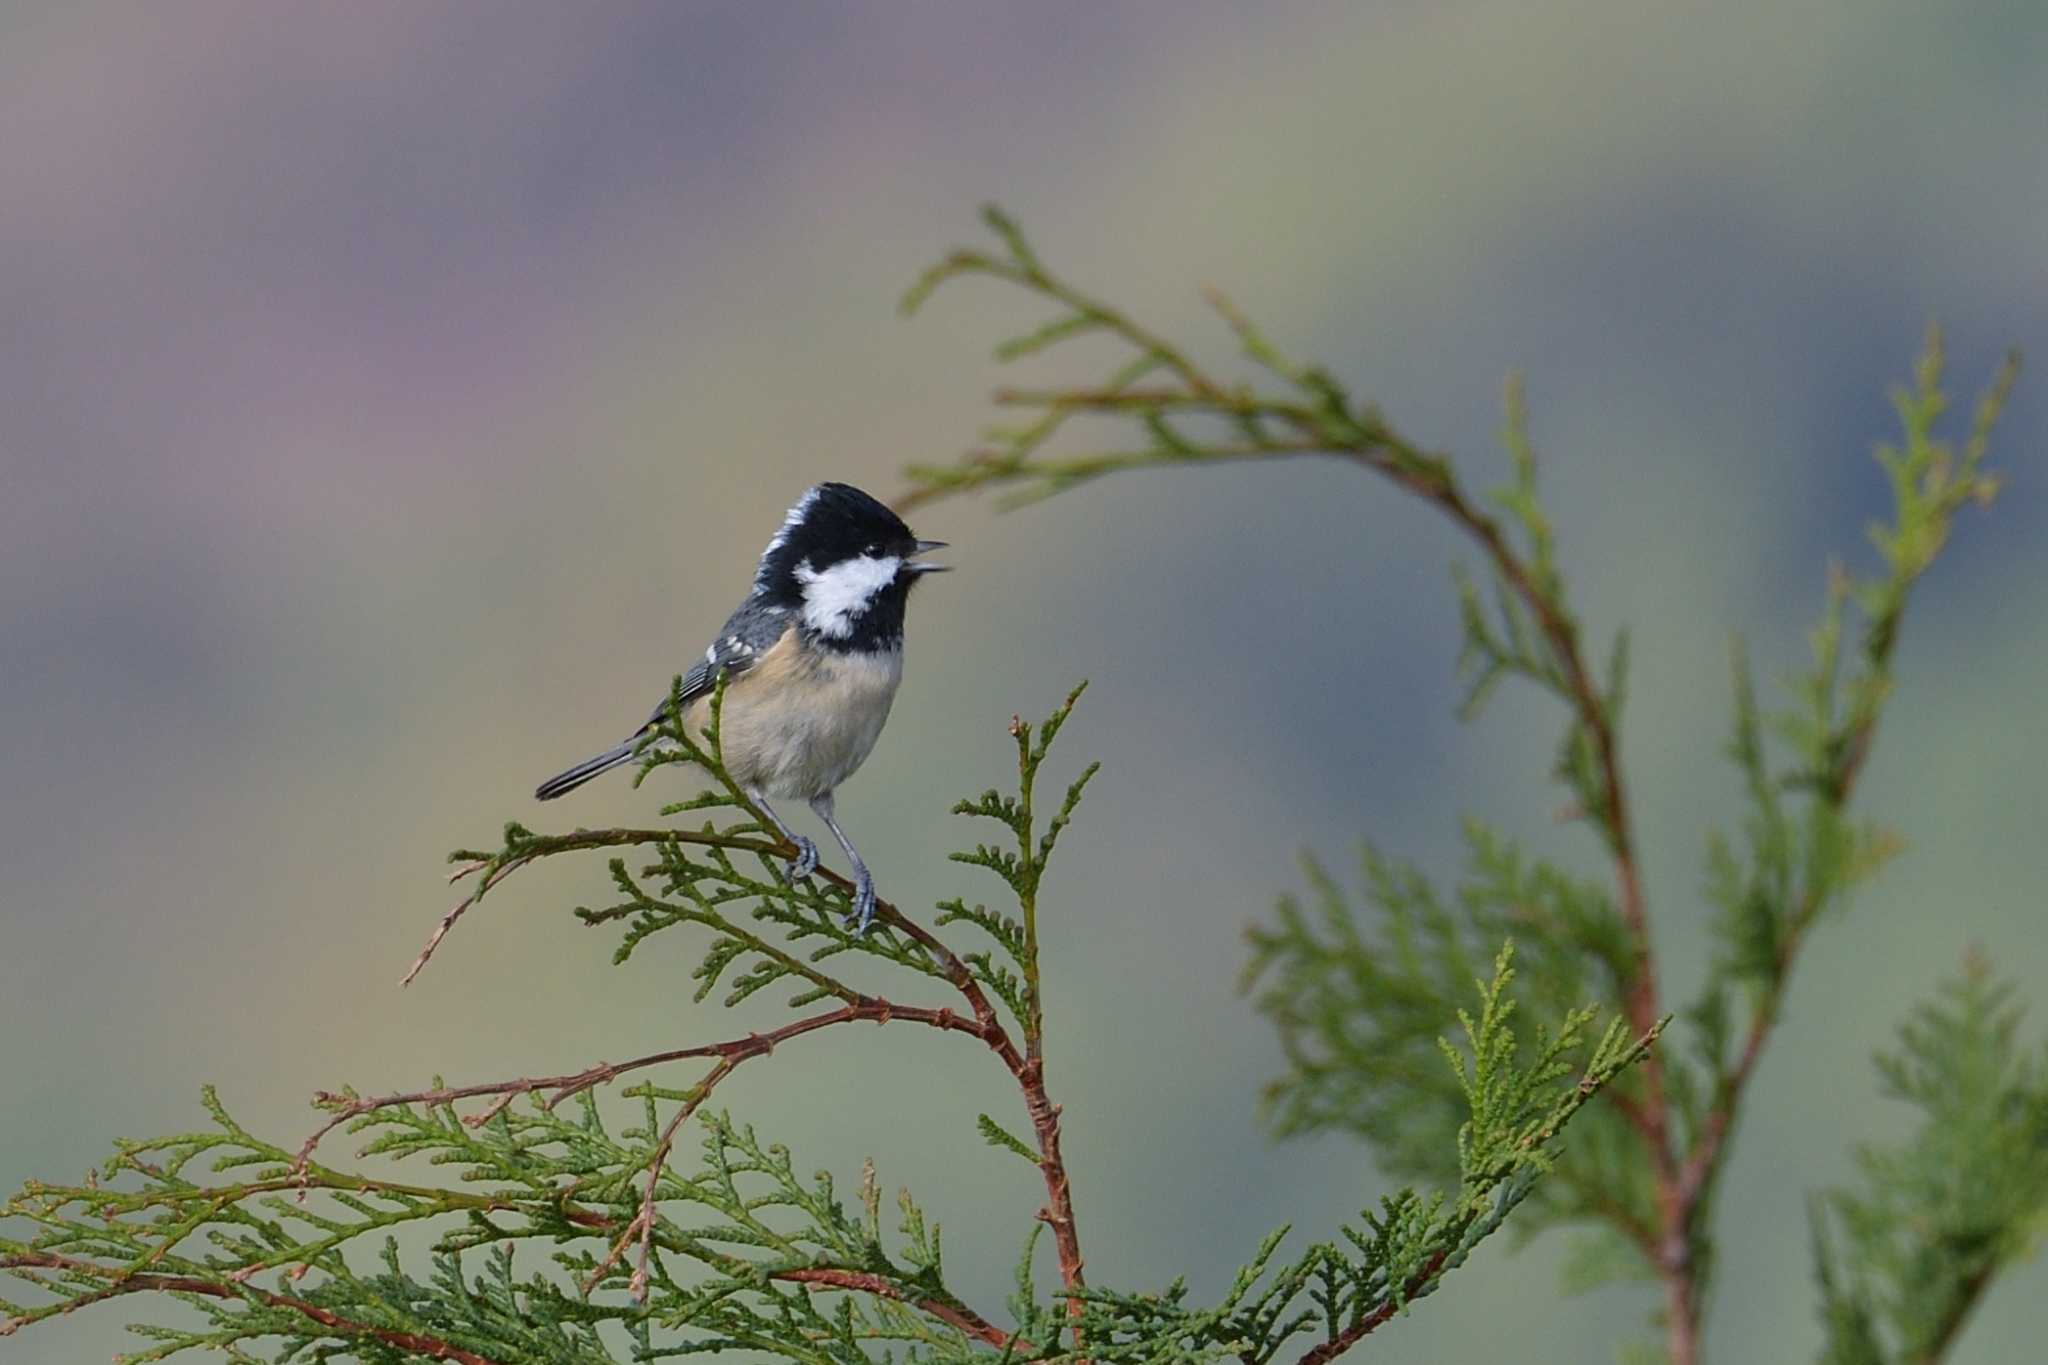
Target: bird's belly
<point>798,726</point>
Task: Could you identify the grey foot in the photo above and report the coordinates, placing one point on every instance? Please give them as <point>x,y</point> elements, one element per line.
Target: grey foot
<point>863,913</point>
<point>806,860</point>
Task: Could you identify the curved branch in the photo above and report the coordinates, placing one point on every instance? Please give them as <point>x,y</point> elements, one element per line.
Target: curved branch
<point>1703,1162</point>
<point>120,1283</point>
<point>548,845</point>
<point>130,1281</point>
<point>1323,1352</point>
<point>987,1023</point>
<point>730,1051</point>
<point>955,1315</point>
<point>1322,419</point>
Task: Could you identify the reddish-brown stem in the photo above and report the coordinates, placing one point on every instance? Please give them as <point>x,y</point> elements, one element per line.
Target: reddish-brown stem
<point>1695,1177</point>
<point>1325,1351</point>
<point>1650,1115</point>
<point>133,1283</point>
<point>730,1054</point>
<point>734,1050</point>
<point>1058,1213</point>
<point>644,1220</point>
<point>549,845</point>
<point>1027,1067</point>
<point>953,1314</point>
<point>986,1025</point>
<point>1371,445</point>
<point>1703,1160</point>
<point>956,972</point>
<point>1367,442</point>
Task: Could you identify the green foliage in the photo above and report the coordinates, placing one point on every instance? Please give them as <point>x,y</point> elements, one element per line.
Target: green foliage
<point>1904,1258</point>
<point>736,1238</point>
<point>1022,870</point>
<point>549,1232</point>
<point>1519,1090</point>
<point>1355,1000</point>
<point>1801,853</point>
<point>1354,990</point>
<point>995,1135</point>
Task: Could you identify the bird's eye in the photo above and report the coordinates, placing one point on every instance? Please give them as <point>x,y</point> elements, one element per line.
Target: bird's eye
<point>873,549</point>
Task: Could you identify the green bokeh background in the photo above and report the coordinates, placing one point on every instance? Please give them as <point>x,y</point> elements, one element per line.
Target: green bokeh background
<point>395,396</point>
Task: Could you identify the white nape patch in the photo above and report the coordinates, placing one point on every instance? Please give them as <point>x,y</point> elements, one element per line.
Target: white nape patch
<point>833,598</point>
<point>794,519</point>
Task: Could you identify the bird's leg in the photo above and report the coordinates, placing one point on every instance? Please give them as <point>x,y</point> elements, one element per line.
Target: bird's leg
<point>863,913</point>
<point>806,860</point>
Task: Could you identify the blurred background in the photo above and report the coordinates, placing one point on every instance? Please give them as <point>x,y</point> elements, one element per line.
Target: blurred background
<point>395,396</point>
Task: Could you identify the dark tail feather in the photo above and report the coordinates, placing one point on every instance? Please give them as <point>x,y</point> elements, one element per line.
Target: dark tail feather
<point>584,771</point>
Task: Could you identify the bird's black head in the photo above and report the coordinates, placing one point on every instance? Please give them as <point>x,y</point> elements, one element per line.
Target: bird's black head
<point>845,563</point>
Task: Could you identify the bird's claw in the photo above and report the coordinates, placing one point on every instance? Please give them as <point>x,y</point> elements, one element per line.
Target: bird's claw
<point>806,860</point>
<point>863,913</point>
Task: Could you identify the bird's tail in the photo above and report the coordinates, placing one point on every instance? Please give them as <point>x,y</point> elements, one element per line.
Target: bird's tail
<point>590,767</point>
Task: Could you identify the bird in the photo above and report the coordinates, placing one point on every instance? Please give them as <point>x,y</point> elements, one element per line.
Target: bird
<point>811,661</point>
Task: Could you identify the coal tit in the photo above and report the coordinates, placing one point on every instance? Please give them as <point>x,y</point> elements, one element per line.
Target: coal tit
<point>811,661</point>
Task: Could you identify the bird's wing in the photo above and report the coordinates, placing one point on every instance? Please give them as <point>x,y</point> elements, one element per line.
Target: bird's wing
<point>745,637</point>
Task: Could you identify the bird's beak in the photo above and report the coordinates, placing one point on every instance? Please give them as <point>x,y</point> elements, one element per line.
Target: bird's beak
<point>926,547</point>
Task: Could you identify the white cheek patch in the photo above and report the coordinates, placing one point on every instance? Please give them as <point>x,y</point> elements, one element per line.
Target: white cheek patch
<point>834,597</point>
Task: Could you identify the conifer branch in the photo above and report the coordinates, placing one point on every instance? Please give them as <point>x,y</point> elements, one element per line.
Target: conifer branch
<point>1324,1351</point>
<point>1325,423</point>
<point>548,1178</point>
<point>136,1237</point>
<point>1937,1218</point>
<point>1322,420</point>
<point>1652,1181</point>
<point>412,1343</point>
<point>1024,872</point>
<point>1834,733</point>
<point>955,1315</point>
<point>523,848</point>
<point>730,1052</point>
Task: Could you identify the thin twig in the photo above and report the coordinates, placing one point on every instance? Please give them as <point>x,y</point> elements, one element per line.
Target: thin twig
<point>953,1314</point>
<point>1704,1160</point>
<point>736,1050</point>
<point>1325,1351</point>
<point>1694,1180</point>
<point>645,1220</point>
<point>544,846</point>
<point>1960,1307</point>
